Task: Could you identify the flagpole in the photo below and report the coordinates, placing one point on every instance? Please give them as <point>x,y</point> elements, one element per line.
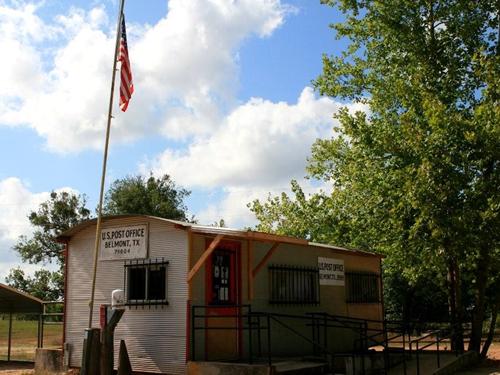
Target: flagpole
<point>104,164</point>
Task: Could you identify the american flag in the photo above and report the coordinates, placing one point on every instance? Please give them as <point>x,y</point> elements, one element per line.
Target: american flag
<point>126,85</point>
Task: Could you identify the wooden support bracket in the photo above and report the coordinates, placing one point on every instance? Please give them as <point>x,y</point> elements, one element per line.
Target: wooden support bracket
<point>204,256</point>
<point>264,260</point>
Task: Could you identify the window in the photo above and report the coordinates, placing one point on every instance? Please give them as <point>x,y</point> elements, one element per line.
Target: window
<point>146,282</point>
<point>293,285</point>
<point>222,288</point>
<point>362,287</point>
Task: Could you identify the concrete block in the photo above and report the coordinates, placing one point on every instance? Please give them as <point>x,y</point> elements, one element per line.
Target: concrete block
<point>48,361</point>
<point>463,361</point>
<point>220,368</point>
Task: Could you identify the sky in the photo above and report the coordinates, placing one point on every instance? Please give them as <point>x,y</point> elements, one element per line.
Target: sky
<point>223,101</point>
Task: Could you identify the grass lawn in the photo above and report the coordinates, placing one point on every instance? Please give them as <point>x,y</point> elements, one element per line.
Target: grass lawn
<point>24,338</point>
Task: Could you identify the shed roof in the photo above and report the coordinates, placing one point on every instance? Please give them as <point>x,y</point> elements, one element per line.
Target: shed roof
<point>18,302</point>
<point>229,232</point>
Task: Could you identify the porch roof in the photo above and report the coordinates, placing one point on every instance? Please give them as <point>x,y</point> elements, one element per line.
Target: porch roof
<point>18,302</point>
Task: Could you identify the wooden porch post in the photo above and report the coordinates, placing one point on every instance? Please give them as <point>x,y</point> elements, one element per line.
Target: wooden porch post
<point>250,245</point>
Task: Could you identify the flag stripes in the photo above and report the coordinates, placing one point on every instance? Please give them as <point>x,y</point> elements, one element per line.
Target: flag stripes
<point>126,84</point>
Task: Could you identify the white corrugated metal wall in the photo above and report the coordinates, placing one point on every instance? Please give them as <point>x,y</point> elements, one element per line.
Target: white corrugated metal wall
<point>155,336</point>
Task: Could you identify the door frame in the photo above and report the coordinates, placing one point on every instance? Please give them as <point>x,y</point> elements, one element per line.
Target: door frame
<point>233,247</point>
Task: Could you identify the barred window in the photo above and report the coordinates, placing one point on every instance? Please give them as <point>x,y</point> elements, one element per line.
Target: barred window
<point>362,287</point>
<point>146,282</point>
<point>293,284</point>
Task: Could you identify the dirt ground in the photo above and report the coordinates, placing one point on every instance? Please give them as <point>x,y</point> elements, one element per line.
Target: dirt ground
<point>20,368</point>
<point>489,367</point>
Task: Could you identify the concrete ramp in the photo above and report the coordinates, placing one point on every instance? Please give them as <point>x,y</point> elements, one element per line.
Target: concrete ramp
<point>290,367</point>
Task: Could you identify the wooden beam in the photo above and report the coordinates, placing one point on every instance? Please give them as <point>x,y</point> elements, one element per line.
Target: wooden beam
<point>251,235</point>
<point>204,256</point>
<point>265,259</point>
<point>249,269</point>
<point>190,258</point>
<point>268,237</point>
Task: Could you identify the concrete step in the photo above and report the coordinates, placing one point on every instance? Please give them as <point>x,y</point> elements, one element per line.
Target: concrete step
<point>301,368</point>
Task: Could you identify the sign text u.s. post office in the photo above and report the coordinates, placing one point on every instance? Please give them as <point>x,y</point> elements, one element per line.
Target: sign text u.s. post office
<point>127,242</point>
<point>331,271</point>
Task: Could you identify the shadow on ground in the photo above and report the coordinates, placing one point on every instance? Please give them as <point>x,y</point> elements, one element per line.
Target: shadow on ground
<point>487,367</point>
<point>16,365</point>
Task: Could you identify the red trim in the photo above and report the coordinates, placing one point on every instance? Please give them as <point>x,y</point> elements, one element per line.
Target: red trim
<point>66,263</point>
<point>238,301</point>
<point>188,330</point>
<point>235,287</point>
<point>235,284</point>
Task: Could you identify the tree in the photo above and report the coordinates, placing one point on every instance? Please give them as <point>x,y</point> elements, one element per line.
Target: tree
<point>44,284</point>
<point>54,216</point>
<point>131,195</point>
<point>416,175</point>
<point>146,196</point>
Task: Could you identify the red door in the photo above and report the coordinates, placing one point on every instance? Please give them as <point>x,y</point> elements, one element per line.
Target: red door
<point>223,270</point>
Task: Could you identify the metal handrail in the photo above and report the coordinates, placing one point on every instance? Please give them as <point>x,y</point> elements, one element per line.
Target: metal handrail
<point>320,322</point>
<point>440,335</point>
<point>250,325</point>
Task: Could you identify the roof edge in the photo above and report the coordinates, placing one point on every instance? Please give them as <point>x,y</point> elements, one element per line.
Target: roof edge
<point>24,294</point>
<point>203,229</point>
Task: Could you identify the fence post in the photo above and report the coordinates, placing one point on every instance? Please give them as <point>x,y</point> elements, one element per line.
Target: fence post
<point>404,352</point>
<point>437,345</point>
<point>313,327</point>
<point>38,330</point>
<point>193,333</point>
<point>269,340</point>
<point>386,347</point>
<point>107,339</point>
<point>363,348</point>
<point>42,327</point>
<point>366,335</point>
<point>325,332</point>
<point>250,354</point>
<point>91,352</point>
<point>259,336</point>
<point>10,337</point>
<point>418,360</point>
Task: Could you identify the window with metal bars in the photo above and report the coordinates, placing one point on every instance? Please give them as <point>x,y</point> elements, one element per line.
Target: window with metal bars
<point>146,282</point>
<point>362,287</point>
<point>293,284</point>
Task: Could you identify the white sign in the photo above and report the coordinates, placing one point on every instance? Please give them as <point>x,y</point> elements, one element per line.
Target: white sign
<point>331,271</point>
<point>129,242</point>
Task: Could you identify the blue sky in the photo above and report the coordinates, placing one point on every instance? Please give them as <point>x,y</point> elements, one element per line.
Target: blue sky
<point>223,101</point>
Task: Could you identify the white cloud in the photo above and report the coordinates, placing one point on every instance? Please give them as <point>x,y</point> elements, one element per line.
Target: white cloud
<point>259,144</point>
<point>184,66</point>
<point>259,147</point>
<point>233,207</point>
<point>16,202</point>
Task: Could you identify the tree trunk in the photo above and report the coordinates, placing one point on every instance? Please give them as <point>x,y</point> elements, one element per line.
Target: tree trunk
<point>455,301</point>
<point>491,331</point>
<point>478,314</point>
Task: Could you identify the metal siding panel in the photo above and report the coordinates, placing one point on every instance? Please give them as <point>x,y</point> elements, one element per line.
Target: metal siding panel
<point>156,336</point>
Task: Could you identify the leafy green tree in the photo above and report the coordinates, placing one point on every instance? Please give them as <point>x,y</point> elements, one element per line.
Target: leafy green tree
<point>44,284</point>
<point>131,195</point>
<point>60,212</point>
<point>415,176</point>
<point>147,196</point>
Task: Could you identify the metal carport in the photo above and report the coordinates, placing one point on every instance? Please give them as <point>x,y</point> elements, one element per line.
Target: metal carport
<point>13,301</point>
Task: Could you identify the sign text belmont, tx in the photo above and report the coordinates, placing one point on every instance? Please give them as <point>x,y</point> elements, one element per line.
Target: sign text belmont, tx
<point>331,271</point>
<point>128,242</point>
